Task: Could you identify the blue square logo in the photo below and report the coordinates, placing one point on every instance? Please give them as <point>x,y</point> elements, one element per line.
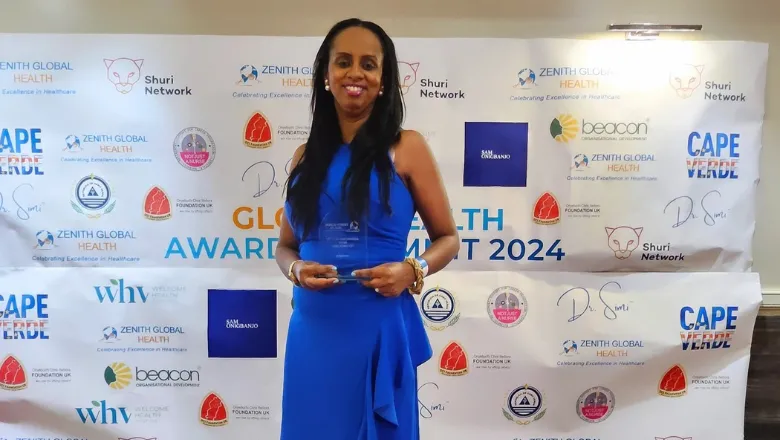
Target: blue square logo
<point>496,154</point>
<point>242,323</point>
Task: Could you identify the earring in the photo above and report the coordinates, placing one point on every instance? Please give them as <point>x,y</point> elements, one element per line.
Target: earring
<point>381,92</point>
<point>327,86</point>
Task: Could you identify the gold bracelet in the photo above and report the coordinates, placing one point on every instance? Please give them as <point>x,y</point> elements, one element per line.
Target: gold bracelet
<point>417,286</point>
<point>291,274</point>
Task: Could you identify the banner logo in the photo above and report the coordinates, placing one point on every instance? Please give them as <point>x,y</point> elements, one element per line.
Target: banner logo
<point>118,375</point>
<point>569,348</point>
<point>623,240</point>
<point>13,377</point>
<point>120,293</point>
<point>92,197</point>
<point>213,412</point>
<point>194,148</point>
<point>496,154</point>
<point>674,383</point>
<point>123,73</point>
<point>580,162</point>
<point>248,75</point>
<point>257,131</point>
<point>408,74</point>
<point>507,306</point>
<point>526,79</point>
<point>24,316</point>
<point>428,406</point>
<point>21,152</point>
<point>157,205</point>
<point>102,414</point>
<point>564,128</point>
<point>524,405</point>
<point>596,404</point>
<point>706,328</point>
<point>685,79</point>
<point>439,308</point>
<point>453,360</point>
<point>713,155</point>
<point>241,324</point>
<point>547,211</point>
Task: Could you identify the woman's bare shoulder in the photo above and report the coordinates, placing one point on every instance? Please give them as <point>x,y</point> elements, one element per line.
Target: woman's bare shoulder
<point>411,150</point>
<point>412,137</point>
<point>297,155</point>
<point>411,143</point>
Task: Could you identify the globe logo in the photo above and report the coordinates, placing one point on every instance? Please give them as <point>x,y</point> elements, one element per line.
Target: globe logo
<point>248,75</point>
<point>110,334</point>
<point>72,144</point>
<point>526,79</point>
<point>44,240</point>
<point>580,162</point>
<point>569,348</point>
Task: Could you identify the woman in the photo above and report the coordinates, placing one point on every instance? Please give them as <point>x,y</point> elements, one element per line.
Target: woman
<point>356,337</point>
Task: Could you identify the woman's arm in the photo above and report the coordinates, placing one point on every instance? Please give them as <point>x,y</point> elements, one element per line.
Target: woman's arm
<point>310,275</point>
<point>417,167</point>
<point>287,247</point>
<point>416,164</point>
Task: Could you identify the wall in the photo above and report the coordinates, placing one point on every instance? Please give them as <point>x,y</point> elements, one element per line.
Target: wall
<point>752,20</point>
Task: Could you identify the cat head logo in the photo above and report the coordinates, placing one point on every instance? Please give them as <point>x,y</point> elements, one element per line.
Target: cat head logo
<point>685,79</point>
<point>623,240</point>
<point>674,437</point>
<point>407,73</point>
<point>123,73</point>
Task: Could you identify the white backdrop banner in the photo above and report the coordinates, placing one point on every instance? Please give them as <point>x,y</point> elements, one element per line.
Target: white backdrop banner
<point>105,354</point>
<point>558,155</point>
<point>561,157</point>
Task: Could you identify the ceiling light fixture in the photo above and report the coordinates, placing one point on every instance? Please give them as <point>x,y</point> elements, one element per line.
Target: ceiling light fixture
<point>651,31</point>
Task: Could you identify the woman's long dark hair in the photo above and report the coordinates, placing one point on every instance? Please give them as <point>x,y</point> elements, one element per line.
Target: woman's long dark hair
<point>370,147</point>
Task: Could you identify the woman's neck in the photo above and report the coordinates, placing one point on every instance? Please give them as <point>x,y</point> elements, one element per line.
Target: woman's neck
<point>350,125</point>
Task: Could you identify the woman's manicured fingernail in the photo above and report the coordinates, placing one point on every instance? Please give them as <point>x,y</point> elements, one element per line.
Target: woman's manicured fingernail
<point>353,273</point>
<point>335,268</point>
<point>336,281</point>
<point>376,290</point>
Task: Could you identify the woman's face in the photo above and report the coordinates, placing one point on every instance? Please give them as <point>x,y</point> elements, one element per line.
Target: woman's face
<point>355,70</point>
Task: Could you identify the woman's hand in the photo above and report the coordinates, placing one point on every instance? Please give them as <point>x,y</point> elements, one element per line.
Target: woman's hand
<point>315,276</point>
<point>389,279</point>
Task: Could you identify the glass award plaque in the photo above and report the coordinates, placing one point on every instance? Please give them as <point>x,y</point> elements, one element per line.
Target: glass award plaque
<point>345,243</point>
